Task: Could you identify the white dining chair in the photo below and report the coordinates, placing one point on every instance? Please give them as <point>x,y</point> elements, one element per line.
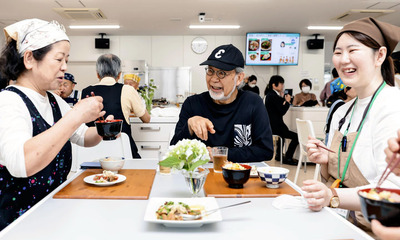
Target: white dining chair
<point>304,129</point>
<point>119,147</point>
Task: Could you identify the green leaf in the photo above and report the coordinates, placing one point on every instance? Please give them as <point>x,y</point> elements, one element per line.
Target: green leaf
<point>170,162</point>
<point>196,164</point>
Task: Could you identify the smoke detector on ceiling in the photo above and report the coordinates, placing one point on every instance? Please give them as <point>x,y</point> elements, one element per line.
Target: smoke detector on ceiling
<point>355,14</point>
<point>81,13</point>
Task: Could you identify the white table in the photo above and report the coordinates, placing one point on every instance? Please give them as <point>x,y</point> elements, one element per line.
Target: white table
<point>123,219</point>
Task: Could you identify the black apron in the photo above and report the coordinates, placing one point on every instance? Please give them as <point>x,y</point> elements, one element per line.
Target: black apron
<point>18,195</point>
<point>112,105</point>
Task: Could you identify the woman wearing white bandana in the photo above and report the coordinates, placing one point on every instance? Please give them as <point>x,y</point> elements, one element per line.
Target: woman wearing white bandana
<point>36,127</point>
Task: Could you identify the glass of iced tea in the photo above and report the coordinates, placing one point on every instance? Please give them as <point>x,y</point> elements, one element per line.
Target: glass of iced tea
<point>220,157</point>
<point>162,156</point>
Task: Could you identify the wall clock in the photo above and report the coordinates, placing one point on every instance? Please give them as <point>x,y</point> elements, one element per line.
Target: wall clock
<point>199,45</point>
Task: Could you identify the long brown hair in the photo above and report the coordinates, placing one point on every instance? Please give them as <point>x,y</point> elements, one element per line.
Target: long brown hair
<point>387,69</point>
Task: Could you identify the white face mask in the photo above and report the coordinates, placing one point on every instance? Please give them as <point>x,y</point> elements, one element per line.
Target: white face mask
<point>305,89</point>
<point>252,85</point>
<point>220,96</point>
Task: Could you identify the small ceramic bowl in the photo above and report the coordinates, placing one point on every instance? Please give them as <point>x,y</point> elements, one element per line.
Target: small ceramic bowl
<point>112,164</point>
<point>236,178</point>
<point>388,213</point>
<point>272,176</point>
<point>109,129</point>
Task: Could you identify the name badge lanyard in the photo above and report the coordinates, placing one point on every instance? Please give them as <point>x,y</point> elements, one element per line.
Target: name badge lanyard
<point>343,144</point>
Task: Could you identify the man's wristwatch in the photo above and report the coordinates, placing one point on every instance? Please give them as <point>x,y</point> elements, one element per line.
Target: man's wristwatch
<point>334,202</point>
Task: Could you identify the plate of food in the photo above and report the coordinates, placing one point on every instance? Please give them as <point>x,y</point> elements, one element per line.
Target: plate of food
<point>266,56</point>
<point>253,56</point>
<point>107,178</point>
<point>166,211</point>
<point>253,172</point>
<point>266,45</point>
<point>253,45</point>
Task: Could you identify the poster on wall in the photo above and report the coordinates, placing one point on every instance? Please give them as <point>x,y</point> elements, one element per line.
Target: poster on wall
<point>272,48</point>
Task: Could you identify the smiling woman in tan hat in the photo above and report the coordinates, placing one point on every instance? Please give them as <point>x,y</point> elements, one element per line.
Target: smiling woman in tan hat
<point>36,126</point>
<point>360,128</point>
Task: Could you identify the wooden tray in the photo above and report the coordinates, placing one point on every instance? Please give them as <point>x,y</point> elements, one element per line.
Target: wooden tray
<point>215,186</point>
<point>137,185</point>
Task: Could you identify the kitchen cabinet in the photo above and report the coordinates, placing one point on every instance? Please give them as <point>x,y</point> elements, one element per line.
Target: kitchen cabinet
<point>150,138</point>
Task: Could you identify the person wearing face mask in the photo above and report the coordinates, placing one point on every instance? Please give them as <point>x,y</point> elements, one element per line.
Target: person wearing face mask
<point>224,115</point>
<point>305,98</point>
<point>252,85</point>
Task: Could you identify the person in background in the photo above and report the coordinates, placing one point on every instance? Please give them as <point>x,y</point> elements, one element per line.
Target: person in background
<point>360,128</point>
<point>132,80</point>
<point>224,115</point>
<point>337,85</point>
<point>277,104</point>
<point>305,98</point>
<point>119,99</point>
<point>37,127</point>
<point>3,82</point>
<point>326,92</point>
<point>66,90</point>
<point>336,100</point>
<point>252,85</point>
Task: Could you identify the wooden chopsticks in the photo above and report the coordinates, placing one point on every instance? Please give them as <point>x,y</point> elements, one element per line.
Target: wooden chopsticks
<point>100,118</point>
<point>327,149</point>
<point>394,161</point>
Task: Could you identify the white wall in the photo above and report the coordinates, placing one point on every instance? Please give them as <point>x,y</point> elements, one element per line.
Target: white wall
<point>175,51</point>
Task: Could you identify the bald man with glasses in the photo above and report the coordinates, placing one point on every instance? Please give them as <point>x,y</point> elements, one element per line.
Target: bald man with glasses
<point>224,115</point>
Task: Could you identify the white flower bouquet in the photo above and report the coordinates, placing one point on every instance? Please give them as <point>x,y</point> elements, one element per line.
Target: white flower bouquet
<point>186,154</point>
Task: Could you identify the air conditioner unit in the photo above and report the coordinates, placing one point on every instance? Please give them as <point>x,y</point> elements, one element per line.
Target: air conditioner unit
<point>81,13</point>
<point>355,14</point>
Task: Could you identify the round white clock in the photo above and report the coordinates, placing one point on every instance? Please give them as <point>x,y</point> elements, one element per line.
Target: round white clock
<point>199,45</point>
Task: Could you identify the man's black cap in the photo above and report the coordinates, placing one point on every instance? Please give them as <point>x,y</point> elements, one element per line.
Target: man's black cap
<point>225,57</point>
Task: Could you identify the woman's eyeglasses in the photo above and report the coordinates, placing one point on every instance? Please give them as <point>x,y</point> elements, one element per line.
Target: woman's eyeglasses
<point>220,74</point>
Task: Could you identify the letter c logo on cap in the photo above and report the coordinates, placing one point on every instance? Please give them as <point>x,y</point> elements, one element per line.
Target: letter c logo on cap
<point>218,54</point>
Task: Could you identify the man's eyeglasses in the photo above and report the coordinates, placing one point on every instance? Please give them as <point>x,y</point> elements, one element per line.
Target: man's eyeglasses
<point>220,74</point>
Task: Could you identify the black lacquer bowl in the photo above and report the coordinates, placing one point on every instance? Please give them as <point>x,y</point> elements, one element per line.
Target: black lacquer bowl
<point>236,178</point>
<point>388,213</point>
<point>108,129</point>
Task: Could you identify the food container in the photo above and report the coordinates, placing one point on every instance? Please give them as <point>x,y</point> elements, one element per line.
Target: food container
<point>112,163</point>
<point>387,213</point>
<point>108,129</point>
<point>272,176</point>
<point>236,178</point>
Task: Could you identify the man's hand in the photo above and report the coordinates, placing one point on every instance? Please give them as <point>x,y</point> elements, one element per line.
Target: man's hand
<point>200,126</point>
<point>288,98</point>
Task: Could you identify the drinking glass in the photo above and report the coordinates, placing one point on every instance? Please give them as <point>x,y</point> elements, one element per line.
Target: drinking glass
<point>220,157</point>
<point>161,156</point>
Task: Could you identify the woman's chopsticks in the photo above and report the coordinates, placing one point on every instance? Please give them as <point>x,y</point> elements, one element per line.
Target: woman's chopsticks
<point>100,118</point>
<point>327,149</point>
<point>394,161</point>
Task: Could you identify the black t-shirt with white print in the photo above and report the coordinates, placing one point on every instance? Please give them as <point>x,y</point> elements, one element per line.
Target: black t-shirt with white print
<point>242,126</point>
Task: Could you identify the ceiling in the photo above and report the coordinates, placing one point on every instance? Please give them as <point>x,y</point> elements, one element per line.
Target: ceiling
<point>172,17</point>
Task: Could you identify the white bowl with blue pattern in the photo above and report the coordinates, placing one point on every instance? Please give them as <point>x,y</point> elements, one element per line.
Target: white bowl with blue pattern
<point>272,176</point>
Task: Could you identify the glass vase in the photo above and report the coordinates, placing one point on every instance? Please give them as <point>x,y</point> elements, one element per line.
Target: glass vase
<point>195,180</point>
